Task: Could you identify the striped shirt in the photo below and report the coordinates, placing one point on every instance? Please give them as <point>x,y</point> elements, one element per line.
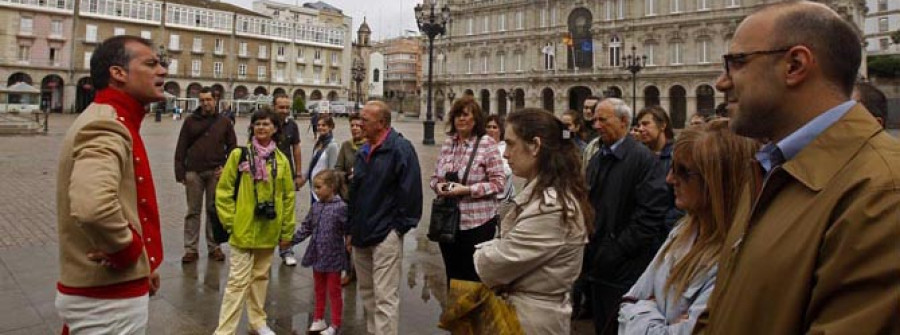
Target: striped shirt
<point>486,177</point>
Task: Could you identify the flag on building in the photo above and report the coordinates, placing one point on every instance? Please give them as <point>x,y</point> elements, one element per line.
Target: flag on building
<point>548,50</point>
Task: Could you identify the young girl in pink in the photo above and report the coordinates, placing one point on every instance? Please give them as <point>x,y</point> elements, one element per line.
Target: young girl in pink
<point>327,253</point>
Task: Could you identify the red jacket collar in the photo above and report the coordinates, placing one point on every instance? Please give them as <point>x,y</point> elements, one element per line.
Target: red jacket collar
<point>125,105</point>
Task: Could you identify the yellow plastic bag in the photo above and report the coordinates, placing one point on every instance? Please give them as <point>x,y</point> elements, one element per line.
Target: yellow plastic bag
<point>474,309</point>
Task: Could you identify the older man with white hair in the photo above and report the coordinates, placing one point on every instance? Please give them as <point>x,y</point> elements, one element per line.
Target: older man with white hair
<point>627,188</point>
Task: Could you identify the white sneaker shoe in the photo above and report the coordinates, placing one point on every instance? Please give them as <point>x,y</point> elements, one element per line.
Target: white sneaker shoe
<point>290,260</point>
<point>318,326</point>
<point>265,330</point>
<point>329,331</point>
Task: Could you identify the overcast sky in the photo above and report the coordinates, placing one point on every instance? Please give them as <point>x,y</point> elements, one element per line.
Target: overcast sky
<point>387,18</point>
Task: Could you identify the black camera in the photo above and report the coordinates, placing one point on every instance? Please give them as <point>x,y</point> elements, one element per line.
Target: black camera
<point>266,210</point>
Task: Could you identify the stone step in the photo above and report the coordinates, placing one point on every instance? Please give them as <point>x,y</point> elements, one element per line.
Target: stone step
<point>19,128</point>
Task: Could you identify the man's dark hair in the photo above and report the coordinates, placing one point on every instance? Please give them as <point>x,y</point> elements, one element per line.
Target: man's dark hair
<point>280,96</point>
<point>354,117</point>
<point>593,97</point>
<point>206,90</point>
<point>873,99</point>
<point>109,53</point>
<point>832,39</point>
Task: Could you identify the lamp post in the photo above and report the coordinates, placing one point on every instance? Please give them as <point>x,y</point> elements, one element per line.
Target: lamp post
<point>400,96</point>
<point>164,61</point>
<point>432,25</point>
<point>359,74</point>
<point>634,64</point>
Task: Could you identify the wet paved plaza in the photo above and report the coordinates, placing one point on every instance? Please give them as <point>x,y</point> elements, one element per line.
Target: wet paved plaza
<point>188,302</point>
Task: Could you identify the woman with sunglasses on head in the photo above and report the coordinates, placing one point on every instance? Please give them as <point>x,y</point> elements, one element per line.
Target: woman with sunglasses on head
<point>255,202</point>
<point>710,166</point>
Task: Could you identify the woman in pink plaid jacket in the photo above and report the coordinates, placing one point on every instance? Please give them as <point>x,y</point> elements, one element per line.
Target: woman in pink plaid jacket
<point>475,186</point>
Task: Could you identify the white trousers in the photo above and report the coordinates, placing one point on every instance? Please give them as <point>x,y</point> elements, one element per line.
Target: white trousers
<point>89,316</point>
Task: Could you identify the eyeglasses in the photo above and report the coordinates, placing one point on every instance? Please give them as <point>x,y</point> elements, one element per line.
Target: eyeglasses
<point>682,172</point>
<point>741,58</point>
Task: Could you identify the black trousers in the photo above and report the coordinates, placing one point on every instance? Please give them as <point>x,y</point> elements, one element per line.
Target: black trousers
<point>606,301</point>
<point>458,262</point>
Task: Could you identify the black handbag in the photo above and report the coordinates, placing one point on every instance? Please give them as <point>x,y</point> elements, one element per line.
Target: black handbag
<point>445,213</point>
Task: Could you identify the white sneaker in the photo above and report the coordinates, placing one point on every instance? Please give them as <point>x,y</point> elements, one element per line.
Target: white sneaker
<point>290,260</point>
<point>329,331</point>
<point>265,330</point>
<point>318,325</point>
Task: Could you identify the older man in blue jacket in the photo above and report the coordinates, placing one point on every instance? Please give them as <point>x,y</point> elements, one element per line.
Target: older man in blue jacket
<point>386,203</point>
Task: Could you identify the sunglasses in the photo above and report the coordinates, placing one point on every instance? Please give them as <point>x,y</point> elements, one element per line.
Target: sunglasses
<point>682,172</point>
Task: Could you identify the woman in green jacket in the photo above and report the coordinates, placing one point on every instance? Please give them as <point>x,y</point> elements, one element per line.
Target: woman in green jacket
<point>255,202</point>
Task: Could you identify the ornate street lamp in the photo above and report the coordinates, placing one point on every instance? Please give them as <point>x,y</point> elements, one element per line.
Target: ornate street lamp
<point>359,74</point>
<point>634,64</point>
<point>432,25</point>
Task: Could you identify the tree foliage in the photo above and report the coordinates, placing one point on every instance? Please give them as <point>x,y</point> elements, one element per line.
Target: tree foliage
<point>884,66</point>
<point>299,105</point>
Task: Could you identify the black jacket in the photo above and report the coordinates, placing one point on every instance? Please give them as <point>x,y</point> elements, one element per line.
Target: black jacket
<point>385,192</point>
<point>630,199</point>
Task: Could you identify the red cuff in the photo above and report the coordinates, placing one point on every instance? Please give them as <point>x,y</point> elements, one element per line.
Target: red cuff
<point>128,256</point>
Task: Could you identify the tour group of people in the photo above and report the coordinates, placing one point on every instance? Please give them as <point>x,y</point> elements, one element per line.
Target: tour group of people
<point>780,215</point>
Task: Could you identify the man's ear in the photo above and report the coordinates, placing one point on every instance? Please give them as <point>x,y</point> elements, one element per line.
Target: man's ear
<point>799,64</point>
<point>118,73</point>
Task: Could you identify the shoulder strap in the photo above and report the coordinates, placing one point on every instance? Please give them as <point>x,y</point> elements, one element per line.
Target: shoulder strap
<point>237,181</point>
<point>471,159</point>
<point>205,129</point>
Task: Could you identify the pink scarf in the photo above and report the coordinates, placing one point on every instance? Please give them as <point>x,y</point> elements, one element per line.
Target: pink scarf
<point>261,154</point>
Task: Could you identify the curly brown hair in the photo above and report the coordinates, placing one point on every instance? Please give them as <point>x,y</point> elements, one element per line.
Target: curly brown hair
<point>461,105</point>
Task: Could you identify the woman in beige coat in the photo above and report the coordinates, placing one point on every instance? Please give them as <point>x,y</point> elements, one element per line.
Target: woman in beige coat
<point>542,230</point>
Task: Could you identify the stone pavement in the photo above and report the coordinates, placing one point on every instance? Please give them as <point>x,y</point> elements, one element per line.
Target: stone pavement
<point>188,302</point>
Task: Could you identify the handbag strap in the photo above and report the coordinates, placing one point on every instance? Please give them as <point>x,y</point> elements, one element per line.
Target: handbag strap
<point>471,159</point>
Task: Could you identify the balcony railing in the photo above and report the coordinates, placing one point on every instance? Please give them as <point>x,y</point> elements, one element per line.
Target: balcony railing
<point>50,4</point>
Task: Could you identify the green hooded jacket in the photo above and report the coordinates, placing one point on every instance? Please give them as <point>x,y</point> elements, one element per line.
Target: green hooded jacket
<point>249,231</point>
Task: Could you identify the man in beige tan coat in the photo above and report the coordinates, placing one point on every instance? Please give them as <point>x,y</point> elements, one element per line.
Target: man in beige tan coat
<point>108,220</point>
<point>814,249</point>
